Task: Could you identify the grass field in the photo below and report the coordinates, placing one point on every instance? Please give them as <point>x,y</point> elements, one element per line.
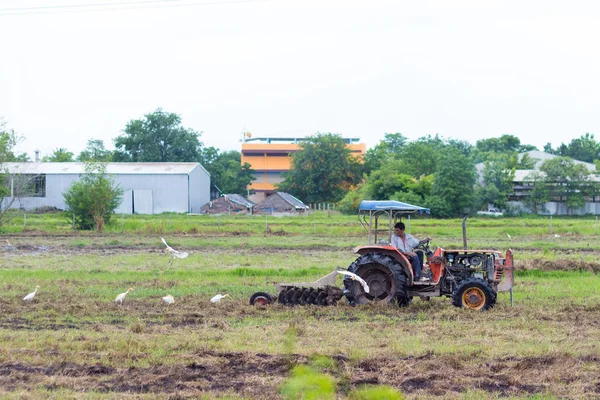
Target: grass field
<point>73,341</point>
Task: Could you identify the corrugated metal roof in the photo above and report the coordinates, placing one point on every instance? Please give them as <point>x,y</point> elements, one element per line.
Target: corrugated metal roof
<point>111,168</point>
<point>239,199</point>
<point>292,200</point>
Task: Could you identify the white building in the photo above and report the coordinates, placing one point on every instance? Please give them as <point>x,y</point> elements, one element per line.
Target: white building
<point>523,183</point>
<point>149,188</point>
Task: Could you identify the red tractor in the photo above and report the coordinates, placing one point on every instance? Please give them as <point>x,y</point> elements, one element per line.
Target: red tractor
<point>472,278</point>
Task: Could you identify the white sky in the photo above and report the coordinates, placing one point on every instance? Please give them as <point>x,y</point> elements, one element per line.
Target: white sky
<point>466,69</point>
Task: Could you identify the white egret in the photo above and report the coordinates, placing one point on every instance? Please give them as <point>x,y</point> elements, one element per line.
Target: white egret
<point>119,299</point>
<point>508,234</point>
<point>174,253</point>
<point>31,295</point>
<point>355,277</point>
<point>168,299</point>
<point>218,298</point>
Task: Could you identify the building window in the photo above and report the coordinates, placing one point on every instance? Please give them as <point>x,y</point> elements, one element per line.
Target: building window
<point>29,185</point>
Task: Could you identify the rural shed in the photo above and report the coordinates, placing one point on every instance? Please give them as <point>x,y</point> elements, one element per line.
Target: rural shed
<point>280,202</point>
<point>149,188</point>
<point>227,204</point>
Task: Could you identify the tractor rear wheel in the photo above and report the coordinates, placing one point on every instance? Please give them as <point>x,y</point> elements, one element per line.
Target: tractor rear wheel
<point>384,276</point>
<point>261,299</point>
<point>474,294</point>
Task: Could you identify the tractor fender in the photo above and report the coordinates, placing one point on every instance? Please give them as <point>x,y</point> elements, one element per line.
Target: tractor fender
<point>390,251</point>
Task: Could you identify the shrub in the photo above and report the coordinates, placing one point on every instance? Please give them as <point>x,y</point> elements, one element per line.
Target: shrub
<point>93,198</point>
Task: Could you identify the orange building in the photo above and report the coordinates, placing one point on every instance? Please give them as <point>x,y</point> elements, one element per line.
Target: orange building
<point>269,157</point>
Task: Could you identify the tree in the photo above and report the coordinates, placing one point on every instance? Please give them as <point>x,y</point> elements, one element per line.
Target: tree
<point>584,148</point>
<point>323,170</point>
<point>498,175</point>
<point>93,198</point>
<point>452,185</point>
<point>395,141</point>
<point>486,148</point>
<point>159,137</point>
<point>95,152</point>
<point>385,151</point>
<point>569,181</point>
<point>539,194</point>
<point>226,171</point>
<point>8,141</point>
<point>59,155</point>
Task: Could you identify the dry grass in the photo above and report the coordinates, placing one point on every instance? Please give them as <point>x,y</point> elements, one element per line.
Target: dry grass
<point>73,341</point>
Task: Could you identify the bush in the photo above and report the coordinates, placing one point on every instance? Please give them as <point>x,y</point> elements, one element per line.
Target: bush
<point>93,199</point>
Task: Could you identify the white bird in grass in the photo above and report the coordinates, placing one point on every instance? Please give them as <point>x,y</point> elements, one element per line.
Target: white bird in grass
<point>121,297</point>
<point>507,234</point>
<point>168,299</point>
<point>31,295</point>
<point>355,277</point>
<point>174,253</point>
<point>218,298</point>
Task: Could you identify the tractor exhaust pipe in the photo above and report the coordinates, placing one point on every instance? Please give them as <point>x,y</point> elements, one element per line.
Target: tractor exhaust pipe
<point>464,229</point>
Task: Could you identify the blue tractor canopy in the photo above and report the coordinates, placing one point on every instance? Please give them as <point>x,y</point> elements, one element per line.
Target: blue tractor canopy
<point>390,212</point>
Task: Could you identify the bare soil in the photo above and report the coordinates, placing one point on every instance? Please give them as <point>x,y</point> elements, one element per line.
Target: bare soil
<point>259,375</point>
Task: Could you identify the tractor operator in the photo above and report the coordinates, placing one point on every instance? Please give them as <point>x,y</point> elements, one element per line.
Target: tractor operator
<point>406,243</point>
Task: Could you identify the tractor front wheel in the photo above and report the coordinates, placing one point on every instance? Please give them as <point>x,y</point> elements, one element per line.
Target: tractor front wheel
<point>474,294</point>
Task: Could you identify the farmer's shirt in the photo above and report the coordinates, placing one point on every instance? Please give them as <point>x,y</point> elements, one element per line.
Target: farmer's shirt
<point>409,243</point>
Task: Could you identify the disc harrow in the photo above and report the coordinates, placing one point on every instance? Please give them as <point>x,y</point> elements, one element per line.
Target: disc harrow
<point>292,296</point>
<point>322,292</point>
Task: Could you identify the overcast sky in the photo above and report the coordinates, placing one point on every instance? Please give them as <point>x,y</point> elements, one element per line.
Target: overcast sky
<point>465,69</point>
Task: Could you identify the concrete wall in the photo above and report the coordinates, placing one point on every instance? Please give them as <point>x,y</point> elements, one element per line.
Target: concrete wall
<point>556,208</point>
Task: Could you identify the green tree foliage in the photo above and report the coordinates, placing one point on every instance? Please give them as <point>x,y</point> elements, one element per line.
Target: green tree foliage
<point>486,148</point>
<point>452,185</point>
<point>351,201</point>
<point>93,199</point>
<point>95,152</point>
<point>497,180</point>
<point>539,194</point>
<point>389,183</point>
<point>59,155</point>
<point>420,157</point>
<point>226,171</point>
<point>569,181</point>
<point>584,148</point>
<point>323,170</point>
<point>8,141</point>
<point>383,152</point>
<point>158,137</point>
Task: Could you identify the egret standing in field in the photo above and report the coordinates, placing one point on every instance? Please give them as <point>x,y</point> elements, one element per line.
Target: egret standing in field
<point>174,253</point>
<point>121,297</point>
<point>31,295</point>
<point>218,298</point>
<point>357,278</point>
<point>168,299</point>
